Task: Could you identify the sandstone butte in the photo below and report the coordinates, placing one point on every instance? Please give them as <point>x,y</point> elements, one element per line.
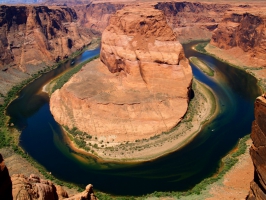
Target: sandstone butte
<point>139,87</point>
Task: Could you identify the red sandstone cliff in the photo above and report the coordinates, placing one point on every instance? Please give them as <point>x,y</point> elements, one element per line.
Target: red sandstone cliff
<point>193,20</point>
<point>188,20</point>
<point>138,90</point>
<point>258,151</point>
<point>242,33</point>
<point>31,37</point>
<point>95,16</point>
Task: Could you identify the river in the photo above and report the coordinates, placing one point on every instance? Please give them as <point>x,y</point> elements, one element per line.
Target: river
<point>42,137</point>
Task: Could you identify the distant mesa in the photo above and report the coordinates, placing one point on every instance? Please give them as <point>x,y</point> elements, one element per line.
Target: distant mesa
<point>138,88</point>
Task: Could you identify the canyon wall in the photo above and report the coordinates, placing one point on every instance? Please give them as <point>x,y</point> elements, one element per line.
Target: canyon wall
<point>258,151</point>
<point>95,16</point>
<point>188,20</point>
<point>193,20</point>
<point>41,35</point>
<point>242,33</point>
<point>141,87</point>
<point>33,37</point>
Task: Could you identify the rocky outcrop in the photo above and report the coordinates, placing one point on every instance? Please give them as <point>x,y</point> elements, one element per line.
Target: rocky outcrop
<point>258,151</point>
<point>5,181</point>
<point>32,37</point>
<point>36,188</point>
<point>27,186</point>
<point>140,88</point>
<point>86,195</point>
<point>242,32</point>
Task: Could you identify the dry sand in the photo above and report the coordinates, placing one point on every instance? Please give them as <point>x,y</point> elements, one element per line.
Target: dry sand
<point>236,182</point>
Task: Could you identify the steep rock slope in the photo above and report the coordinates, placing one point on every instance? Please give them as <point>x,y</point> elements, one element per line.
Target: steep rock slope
<point>95,16</point>
<point>138,90</point>
<point>258,151</point>
<point>242,33</point>
<point>189,20</point>
<point>33,37</point>
<point>193,20</point>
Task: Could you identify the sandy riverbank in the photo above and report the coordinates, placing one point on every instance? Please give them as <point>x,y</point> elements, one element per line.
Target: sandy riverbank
<point>240,60</point>
<point>47,88</point>
<point>236,182</point>
<point>202,108</point>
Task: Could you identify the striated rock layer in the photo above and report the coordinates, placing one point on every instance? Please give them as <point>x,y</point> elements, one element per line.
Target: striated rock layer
<point>193,20</point>
<point>32,37</point>
<point>189,20</point>
<point>242,33</point>
<point>141,87</point>
<point>258,151</point>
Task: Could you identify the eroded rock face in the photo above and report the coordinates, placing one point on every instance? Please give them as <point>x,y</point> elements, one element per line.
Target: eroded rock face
<point>32,37</point>
<point>138,90</point>
<point>5,181</point>
<point>258,151</point>
<point>32,188</point>
<point>193,20</point>
<point>29,188</point>
<point>188,20</point>
<point>21,187</point>
<point>243,30</point>
<point>95,16</point>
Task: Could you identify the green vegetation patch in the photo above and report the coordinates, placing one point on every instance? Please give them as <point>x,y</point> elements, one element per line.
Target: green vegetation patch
<point>202,65</point>
<point>60,81</point>
<point>201,47</point>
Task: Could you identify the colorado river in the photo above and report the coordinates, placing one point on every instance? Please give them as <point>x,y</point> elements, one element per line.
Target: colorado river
<point>42,138</point>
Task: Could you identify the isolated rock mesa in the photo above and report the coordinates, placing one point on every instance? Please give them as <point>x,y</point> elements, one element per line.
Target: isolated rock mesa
<point>258,151</point>
<point>141,87</point>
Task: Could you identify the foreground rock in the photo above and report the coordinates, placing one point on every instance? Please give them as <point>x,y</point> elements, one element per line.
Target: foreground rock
<point>20,186</point>
<point>258,151</point>
<point>141,87</point>
<point>36,188</point>
<point>5,181</point>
